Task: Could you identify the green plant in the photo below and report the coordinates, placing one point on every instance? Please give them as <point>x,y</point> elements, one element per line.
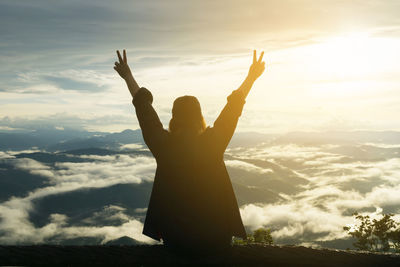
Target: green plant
<point>375,235</point>
<point>263,236</point>
<point>394,236</point>
<point>259,236</point>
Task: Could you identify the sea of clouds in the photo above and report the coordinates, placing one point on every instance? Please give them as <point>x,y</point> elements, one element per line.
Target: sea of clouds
<point>317,187</point>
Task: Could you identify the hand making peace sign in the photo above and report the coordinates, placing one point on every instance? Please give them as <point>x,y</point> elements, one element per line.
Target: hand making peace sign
<point>258,66</point>
<point>122,66</point>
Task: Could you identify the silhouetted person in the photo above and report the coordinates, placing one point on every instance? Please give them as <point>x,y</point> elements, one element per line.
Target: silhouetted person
<point>192,204</point>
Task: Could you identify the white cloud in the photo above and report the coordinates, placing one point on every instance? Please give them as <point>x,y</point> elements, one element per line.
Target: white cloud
<point>68,176</point>
<point>296,219</point>
<point>384,195</point>
<point>34,167</point>
<point>132,146</point>
<point>317,212</point>
<point>19,230</point>
<point>290,151</point>
<point>108,214</point>
<point>321,209</point>
<point>382,145</point>
<point>5,155</point>
<point>246,166</point>
<point>141,210</point>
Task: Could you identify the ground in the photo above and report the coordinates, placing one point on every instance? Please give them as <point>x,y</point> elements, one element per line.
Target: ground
<point>146,255</point>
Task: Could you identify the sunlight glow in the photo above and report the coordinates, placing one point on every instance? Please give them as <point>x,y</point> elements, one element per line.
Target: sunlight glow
<point>353,55</point>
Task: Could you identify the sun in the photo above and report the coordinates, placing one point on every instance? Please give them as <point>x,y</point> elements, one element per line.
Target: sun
<point>348,56</point>
<point>350,63</point>
<point>356,55</point>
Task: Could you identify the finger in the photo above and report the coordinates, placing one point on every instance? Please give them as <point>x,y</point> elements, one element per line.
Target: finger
<point>119,57</point>
<point>116,63</point>
<point>125,59</point>
<point>254,56</point>
<point>261,56</point>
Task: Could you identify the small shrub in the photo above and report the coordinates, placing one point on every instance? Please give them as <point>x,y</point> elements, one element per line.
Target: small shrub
<point>263,236</point>
<point>259,236</point>
<point>375,235</point>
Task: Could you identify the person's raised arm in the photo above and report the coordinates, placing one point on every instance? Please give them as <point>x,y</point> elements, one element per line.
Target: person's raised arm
<point>124,71</point>
<point>152,128</point>
<point>225,124</point>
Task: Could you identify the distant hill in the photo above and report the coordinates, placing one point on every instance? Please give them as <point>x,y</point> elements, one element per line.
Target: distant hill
<point>62,140</point>
<point>40,138</point>
<point>108,141</point>
<point>336,137</point>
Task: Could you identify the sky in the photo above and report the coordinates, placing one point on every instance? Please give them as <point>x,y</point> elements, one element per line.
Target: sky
<point>331,65</point>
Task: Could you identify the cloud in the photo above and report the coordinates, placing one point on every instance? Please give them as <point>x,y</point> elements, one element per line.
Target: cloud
<point>300,220</point>
<point>110,214</point>
<point>132,146</point>
<point>17,229</point>
<point>54,68</point>
<point>312,215</point>
<point>103,171</point>
<point>69,121</point>
<point>140,210</point>
<point>326,203</point>
<point>385,196</point>
<point>37,89</point>
<point>69,84</point>
<point>334,186</point>
<point>34,167</point>
<point>382,145</point>
<point>120,169</point>
<point>5,155</point>
<point>290,151</point>
<point>247,166</point>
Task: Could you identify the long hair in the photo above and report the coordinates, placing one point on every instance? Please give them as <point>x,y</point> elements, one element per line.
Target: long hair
<point>187,116</point>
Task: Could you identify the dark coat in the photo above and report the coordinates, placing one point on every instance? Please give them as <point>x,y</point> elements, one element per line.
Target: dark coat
<point>192,191</point>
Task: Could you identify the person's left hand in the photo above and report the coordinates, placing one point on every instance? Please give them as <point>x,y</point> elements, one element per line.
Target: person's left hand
<point>122,66</point>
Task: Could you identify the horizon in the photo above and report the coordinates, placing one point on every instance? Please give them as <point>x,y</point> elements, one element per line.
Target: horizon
<point>56,128</point>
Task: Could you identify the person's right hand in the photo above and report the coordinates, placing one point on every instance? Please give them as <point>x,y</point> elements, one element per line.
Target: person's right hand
<point>258,66</point>
<point>122,66</point>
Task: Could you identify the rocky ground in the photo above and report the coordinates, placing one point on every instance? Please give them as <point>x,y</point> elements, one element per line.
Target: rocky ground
<point>146,255</point>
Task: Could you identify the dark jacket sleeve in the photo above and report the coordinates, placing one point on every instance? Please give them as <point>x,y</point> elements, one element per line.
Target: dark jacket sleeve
<point>152,129</point>
<point>225,124</point>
